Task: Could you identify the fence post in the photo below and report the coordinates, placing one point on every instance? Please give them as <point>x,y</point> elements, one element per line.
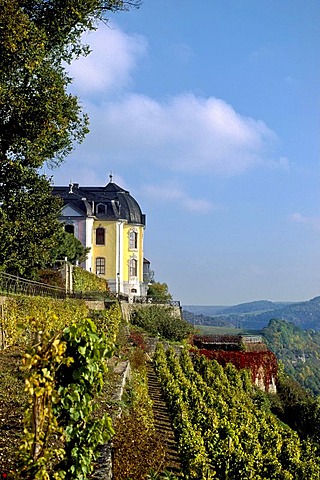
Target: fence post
<point>3,333</point>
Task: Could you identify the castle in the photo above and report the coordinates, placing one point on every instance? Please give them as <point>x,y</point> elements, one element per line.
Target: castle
<point>110,222</point>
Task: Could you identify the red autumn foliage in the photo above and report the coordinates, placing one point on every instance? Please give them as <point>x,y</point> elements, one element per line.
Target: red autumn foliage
<point>137,339</point>
<point>253,361</point>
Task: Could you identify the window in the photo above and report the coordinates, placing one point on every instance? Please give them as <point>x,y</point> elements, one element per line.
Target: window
<point>133,239</point>
<point>133,267</point>
<point>101,209</point>
<point>100,236</point>
<point>100,266</point>
<point>69,228</point>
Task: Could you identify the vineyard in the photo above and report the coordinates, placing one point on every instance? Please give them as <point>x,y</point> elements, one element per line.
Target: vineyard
<point>58,351</point>
<point>225,429</point>
<point>59,390</point>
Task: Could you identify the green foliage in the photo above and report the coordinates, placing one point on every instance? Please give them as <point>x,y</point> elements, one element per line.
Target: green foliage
<point>29,227</point>
<point>39,119</point>
<point>40,423</point>
<point>69,246</point>
<point>224,429</point>
<point>79,381</point>
<point>26,316</point>
<point>108,321</point>
<point>298,350</point>
<point>64,376</point>
<point>159,291</point>
<point>297,408</point>
<point>51,277</point>
<point>161,320</point>
<point>84,281</point>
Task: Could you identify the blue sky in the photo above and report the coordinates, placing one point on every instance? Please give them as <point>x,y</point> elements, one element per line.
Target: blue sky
<point>208,112</point>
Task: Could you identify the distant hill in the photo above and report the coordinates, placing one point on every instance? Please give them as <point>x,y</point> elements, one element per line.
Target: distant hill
<point>257,306</point>
<point>306,315</point>
<point>207,310</point>
<point>199,319</point>
<point>249,307</point>
<point>257,315</point>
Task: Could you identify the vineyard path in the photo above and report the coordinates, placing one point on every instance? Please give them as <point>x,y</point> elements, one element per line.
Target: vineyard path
<point>163,422</point>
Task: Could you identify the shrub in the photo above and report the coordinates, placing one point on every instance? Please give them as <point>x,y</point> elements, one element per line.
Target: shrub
<point>84,281</point>
<point>161,320</point>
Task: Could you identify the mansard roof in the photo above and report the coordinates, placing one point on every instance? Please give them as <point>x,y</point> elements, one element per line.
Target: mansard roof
<point>108,203</point>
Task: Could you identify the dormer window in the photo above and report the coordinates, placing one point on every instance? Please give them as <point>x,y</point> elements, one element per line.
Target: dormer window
<point>100,236</point>
<point>69,228</point>
<point>101,209</point>
<point>133,240</point>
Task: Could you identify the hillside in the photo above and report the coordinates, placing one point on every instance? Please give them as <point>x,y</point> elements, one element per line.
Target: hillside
<point>298,350</point>
<point>226,428</point>
<point>248,307</point>
<point>257,315</point>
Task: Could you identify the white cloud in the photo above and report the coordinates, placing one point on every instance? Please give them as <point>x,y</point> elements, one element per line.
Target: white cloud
<point>312,222</point>
<point>184,133</point>
<point>174,194</point>
<point>114,55</point>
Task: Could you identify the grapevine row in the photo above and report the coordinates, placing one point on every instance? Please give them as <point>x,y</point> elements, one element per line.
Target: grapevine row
<point>223,431</point>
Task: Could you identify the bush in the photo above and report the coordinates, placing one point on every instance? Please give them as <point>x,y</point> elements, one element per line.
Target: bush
<point>161,320</point>
<point>84,281</point>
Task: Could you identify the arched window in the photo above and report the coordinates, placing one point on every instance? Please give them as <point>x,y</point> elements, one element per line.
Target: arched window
<point>69,228</point>
<point>101,209</point>
<point>133,267</point>
<point>100,236</point>
<point>133,239</point>
<point>100,265</point>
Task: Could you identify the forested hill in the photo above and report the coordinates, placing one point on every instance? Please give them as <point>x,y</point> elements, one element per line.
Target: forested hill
<point>212,310</point>
<point>257,315</point>
<point>298,350</point>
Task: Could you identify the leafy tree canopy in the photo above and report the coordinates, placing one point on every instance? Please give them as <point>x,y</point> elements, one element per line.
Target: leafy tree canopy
<point>29,227</point>
<point>69,246</point>
<point>159,291</point>
<point>298,350</point>
<point>39,120</point>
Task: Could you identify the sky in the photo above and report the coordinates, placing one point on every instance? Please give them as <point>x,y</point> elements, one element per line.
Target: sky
<point>208,112</point>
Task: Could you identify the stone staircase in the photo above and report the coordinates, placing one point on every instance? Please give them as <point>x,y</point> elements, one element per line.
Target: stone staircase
<point>163,422</point>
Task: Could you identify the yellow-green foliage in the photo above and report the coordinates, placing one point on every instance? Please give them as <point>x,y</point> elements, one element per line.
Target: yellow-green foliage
<point>26,316</point>
<point>108,321</point>
<point>64,375</point>
<point>84,281</point>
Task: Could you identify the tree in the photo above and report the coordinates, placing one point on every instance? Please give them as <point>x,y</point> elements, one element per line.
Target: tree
<point>39,120</point>
<point>161,320</point>
<point>159,291</point>
<point>29,225</point>
<point>69,246</point>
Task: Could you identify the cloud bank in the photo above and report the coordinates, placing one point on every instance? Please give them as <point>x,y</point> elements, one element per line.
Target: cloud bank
<point>109,67</point>
<point>182,133</point>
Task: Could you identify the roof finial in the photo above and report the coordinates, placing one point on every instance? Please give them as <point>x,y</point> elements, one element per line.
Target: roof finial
<point>70,187</point>
<point>111,177</point>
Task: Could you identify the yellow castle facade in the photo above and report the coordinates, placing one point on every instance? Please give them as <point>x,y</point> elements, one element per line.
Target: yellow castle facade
<point>110,222</point>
